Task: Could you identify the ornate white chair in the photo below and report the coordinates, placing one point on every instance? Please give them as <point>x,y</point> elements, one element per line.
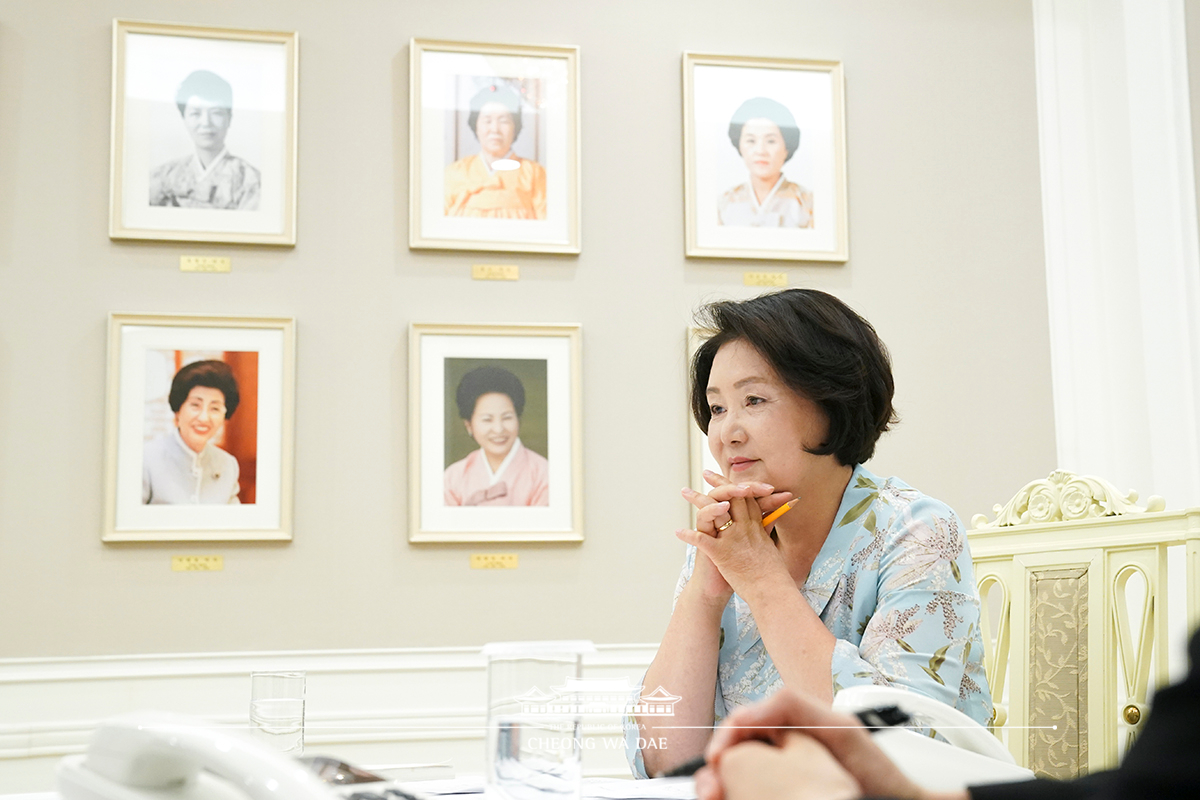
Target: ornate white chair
<point>1073,576</point>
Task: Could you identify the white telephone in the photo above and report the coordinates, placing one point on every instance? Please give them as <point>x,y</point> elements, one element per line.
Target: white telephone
<point>973,757</point>
<point>154,756</point>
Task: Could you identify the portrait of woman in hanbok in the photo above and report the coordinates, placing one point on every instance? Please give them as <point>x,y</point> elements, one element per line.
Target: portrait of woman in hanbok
<point>765,134</point>
<point>209,176</point>
<point>503,471</point>
<point>495,183</point>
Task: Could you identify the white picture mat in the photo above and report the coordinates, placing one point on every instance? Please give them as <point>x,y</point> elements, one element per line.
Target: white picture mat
<point>439,71</point>
<point>155,66</point>
<point>699,453</point>
<point>265,512</point>
<point>702,459</point>
<point>808,94</point>
<point>435,514</point>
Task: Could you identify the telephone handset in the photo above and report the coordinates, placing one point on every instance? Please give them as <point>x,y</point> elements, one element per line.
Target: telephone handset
<point>155,756</point>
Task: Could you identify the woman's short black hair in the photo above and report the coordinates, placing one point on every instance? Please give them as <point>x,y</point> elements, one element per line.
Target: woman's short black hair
<point>208,86</point>
<point>486,380</point>
<point>214,375</point>
<point>496,93</point>
<point>821,349</point>
<point>765,108</point>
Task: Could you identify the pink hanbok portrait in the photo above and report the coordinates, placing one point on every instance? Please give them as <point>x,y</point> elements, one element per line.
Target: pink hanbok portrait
<point>503,471</point>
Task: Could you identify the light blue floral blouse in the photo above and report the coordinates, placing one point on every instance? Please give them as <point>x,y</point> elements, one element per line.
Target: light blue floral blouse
<point>893,582</point>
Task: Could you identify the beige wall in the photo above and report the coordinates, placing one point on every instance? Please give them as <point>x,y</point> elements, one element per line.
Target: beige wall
<point>946,249</point>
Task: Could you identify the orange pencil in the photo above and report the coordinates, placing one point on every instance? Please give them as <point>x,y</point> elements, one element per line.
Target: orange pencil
<point>779,512</point>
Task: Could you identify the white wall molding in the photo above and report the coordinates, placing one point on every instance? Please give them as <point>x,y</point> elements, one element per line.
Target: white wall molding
<point>397,706</point>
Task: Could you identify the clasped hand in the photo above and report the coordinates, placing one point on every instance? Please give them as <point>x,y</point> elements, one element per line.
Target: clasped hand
<point>734,548</point>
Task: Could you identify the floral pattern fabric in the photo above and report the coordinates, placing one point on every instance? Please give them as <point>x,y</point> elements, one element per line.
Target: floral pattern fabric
<point>893,583</point>
<point>229,183</point>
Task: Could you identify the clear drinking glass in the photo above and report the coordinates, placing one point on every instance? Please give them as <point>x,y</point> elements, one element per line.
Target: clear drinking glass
<point>534,722</point>
<point>277,710</point>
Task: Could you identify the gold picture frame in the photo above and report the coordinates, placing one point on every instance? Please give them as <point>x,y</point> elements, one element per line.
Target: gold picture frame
<point>178,470</point>
<point>787,202</point>
<point>457,201</point>
<point>469,481</point>
<point>203,145</point>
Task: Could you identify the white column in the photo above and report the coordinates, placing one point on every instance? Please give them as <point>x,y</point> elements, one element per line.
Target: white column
<point>1122,257</point>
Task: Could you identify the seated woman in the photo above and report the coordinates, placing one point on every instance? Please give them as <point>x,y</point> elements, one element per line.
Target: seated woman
<point>495,182</point>
<point>765,135</point>
<point>864,581</point>
<point>184,466</point>
<point>502,472</point>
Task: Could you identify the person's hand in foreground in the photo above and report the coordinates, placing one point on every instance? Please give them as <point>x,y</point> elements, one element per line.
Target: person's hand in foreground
<point>798,768</point>
<point>790,747</point>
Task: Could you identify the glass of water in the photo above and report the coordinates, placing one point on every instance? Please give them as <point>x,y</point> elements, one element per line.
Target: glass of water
<point>277,710</point>
<point>534,746</point>
<point>534,758</point>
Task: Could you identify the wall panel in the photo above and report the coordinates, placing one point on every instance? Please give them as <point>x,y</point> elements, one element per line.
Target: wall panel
<point>946,260</point>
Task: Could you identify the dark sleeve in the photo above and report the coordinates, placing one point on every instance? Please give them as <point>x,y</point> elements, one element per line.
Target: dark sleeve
<point>1163,761</point>
<point>1043,789</point>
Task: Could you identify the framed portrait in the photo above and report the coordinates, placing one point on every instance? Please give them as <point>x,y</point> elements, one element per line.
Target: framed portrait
<point>494,433</point>
<point>494,147</point>
<point>765,158</point>
<point>198,428</point>
<point>203,134</point>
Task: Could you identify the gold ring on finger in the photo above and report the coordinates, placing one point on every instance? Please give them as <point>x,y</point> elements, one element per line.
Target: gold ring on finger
<point>726,526</point>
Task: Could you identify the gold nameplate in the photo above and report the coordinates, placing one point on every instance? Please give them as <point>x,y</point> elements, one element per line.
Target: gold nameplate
<point>493,560</point>
<point>764,278</point>
<point>197,563</point>
<point>204,264</point>
<point>495,272</point>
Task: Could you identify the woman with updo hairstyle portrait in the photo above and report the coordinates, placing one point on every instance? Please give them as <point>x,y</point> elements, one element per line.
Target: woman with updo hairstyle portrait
<point>210,176</point>
<point>766,136</point>
<point>502,472</point>
<point>495,183</point>
<point>184,466</point>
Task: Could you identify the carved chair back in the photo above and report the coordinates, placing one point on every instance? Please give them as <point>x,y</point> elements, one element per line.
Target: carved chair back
<point>1073,577</point>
